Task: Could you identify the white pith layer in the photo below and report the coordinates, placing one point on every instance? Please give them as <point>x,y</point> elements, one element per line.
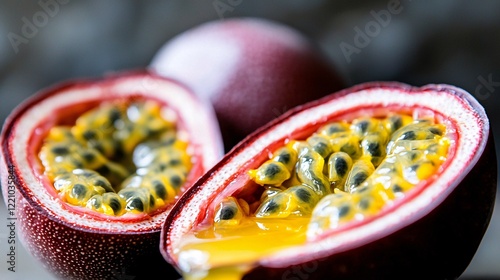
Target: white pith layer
<point>199,123</point>
<point>457,106</point>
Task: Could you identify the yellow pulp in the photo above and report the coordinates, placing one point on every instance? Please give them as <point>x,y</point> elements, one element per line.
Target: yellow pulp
<point>225,249</point>
<point>118,158</point>
<point>343,172</point>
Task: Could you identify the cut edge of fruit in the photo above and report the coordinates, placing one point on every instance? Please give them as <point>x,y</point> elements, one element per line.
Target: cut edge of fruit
<point>143,84</point>
<point>452,102</point>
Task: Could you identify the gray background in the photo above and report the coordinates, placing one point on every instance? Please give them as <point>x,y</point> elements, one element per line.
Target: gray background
<point>455,42</point>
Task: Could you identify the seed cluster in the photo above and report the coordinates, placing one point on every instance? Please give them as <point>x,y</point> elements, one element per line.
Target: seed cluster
<point>343,171</point>
<point>119,157</point>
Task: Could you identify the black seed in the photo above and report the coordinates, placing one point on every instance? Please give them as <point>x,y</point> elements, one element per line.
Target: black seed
<point>359,178</point>
<point>409,135</point>
<point>303,195</point>
<point>436,131</point>
<point>160,189</point>
<point>105,185</point>
<point>114,115</point>
<point>114,203</point>
<point>348,149</point>
<point>363,126</point>
<point>98,146</point>
<point>397,188</point>
<point>413,155</point>
<point>135,203</point>
<point>168,141</point>
<point>341,166</point>
<point>176,181</point>
<point>88,156</point>
<point>227,213</point>
<point>162,166</point>
<point>78,164</point>
<point>344,209</point>
<point>174,162</point>
<point>103,170</point>
<point>396,121</point>
<point>321,148</point>
<point>414,167</point>
<point>60,150</point>
<point>151,200</point>
<point>89,135</point>
<point>100,183</point>
<point>374,149</point>
<point>271,207</point>
<point>271,170</point>
<point>87,174</point>
<point>335,128</point>
<point>119,153</point>
<point>284,158</point>
<point>364,203</point>
<point>79,191</point>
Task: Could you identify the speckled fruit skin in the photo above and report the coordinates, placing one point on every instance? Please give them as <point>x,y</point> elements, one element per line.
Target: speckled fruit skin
<point>67,248</point>
<point>437,242</point>
<point>251,69</point>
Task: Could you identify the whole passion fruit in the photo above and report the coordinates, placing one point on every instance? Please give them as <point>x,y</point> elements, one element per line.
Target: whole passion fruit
<point>251,69</point>
<point>378,181</point>
<point>91,168</point>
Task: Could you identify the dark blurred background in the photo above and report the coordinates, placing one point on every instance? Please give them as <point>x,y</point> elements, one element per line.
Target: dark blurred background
<point>454,42</point>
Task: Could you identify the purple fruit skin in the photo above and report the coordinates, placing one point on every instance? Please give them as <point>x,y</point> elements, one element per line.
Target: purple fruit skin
<point>252,70</point>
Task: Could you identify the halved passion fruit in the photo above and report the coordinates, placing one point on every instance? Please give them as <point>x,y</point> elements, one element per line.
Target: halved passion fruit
<point>379,181</point>
<point>94,167</point>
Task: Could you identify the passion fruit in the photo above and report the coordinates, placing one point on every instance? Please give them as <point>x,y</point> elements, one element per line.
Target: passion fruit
<point>251,70</point>
<point>94,166</point>
<point>377,181</point>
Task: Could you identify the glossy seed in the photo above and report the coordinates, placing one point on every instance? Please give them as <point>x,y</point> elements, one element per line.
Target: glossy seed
<point>78,191</point>
<point>320,144</point>
<point>339,164</point>
<point>332,128</point>
<point>135,204</point>
<point>114,202</point>
<point>360,171</point>
<point>373,147</point>
<point>287,156</point>
<point>229,212</point>
<point>160,189</point>
<point>344,210</point>
<point>347,143</point>
<point>309,171</point>
<point>60,150</point>
<point>270,173</point>
<point>294,201</point>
